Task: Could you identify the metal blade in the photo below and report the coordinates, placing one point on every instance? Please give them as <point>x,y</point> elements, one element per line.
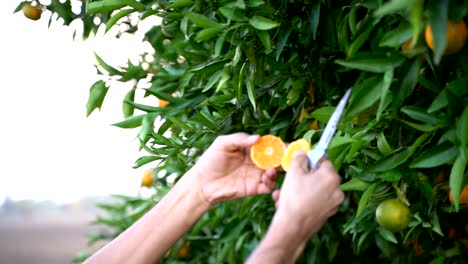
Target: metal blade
<point>330,128</point>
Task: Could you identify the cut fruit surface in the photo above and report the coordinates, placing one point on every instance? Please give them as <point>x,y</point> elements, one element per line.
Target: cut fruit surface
<point>298,145</point>
<point>268,152</point>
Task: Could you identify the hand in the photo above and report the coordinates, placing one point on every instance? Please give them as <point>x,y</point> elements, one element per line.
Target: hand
<point>308,198</point>
<point>225,171</point>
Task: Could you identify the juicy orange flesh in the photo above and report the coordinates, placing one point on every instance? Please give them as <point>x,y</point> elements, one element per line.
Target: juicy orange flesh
<point>267,152</point>
<point>298,145</point>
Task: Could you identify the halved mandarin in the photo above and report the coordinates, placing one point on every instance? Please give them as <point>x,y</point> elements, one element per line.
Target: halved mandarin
<point>268,152</point>
<point>298,145</point>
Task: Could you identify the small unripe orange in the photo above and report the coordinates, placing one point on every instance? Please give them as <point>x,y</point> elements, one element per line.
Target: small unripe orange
<point>147,179</point>
<point>463,199</point>
<point>31,12</point>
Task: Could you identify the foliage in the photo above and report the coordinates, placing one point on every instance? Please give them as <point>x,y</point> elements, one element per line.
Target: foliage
<point>257,66</point>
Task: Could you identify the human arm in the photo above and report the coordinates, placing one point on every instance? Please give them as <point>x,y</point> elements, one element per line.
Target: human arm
<point>306,200</point>
<point>223,172</point>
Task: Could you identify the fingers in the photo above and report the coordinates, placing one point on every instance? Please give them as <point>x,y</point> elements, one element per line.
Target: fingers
<point>267,181</point>
<point>276,196</point>
<point>299,164</point>
<point>235,141</point>
<point>327,166</point>
<point>338,196</point>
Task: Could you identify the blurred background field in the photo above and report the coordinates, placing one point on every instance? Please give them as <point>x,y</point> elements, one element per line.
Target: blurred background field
<point>45,232</point>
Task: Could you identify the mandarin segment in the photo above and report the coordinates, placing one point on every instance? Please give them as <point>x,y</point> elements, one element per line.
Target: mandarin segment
<point>268,152</point>
<point>298,145</point>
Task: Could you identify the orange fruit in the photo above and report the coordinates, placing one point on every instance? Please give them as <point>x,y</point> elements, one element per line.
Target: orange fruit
<point>147,179</point>
<point>418,249</point>
<point>463,196</point>
<point>440,177</point>
<point>407,45</point>
<point>162,103</point>
<point>184,250</point>
<point>456,37</point>
<point>452,233</point>
<point>298,145</point>
<point>393,215</point>
<point>268,152</point>
<point>314,125</point>
<point>31,12</point>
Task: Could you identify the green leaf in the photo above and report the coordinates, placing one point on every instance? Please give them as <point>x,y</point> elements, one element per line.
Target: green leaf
<point>127,109</point>
<point>365,198</point>
<point>213,80</point>
<point>438,10</point>
<point>265,39</point>
<point>393,6</point>
<point>407,85</point>
<point>284,33</point>
<point>323,114</point>
<point>111,70</point>
<point>362,36</point>
<point>456,180</point>
<point>390,161</point>
<point>435,224</point>
<point>387,235</point>
<point>385,96</point>
<point>436,156</point>
<point>396,37</point>
<point>419,127</point>
<point>131,122</point>
<point>209,67</point>
<point>180,3</point>
<point>296,91</point>
<point>462,132</point>
<point>314,18</point>
<point>420,114</point>
<point>250,84</point>
<point>144,160</point>
<point>439,102</point>
<point>262,23</point>
<point>106,6</point>
<point>146,127</point>
<point>372,63</point>
<point>365,95</point>
<point>355,184</point>
<point>416,19</point>
<point>233,14</point>
<point>203,21</point>
<point>392,175</point>
<point>208,33</point>
<point>113,19</point>
<point>97,93</point>
<point>383,145</point>
<point>255,3</point>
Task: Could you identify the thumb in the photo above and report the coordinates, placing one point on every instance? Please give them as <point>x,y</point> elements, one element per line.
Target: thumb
<point>299,164</point>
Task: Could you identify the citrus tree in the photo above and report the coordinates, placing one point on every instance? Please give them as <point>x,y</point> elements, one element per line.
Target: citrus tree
<point>279,68</point>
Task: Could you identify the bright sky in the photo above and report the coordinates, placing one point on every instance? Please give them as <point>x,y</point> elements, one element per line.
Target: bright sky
<point>49,148</point>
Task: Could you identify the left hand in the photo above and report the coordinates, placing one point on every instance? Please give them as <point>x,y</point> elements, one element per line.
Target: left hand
<point>226,172</point>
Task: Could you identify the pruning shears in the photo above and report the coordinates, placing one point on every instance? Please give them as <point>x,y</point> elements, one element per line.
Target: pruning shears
<point>320,150</point>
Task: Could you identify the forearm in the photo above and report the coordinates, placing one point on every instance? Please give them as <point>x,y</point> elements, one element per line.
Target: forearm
<point>283,243</point>
<point>148,239</point>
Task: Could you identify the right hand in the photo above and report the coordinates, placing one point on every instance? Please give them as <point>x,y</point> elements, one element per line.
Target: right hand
<point>308,198</point>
